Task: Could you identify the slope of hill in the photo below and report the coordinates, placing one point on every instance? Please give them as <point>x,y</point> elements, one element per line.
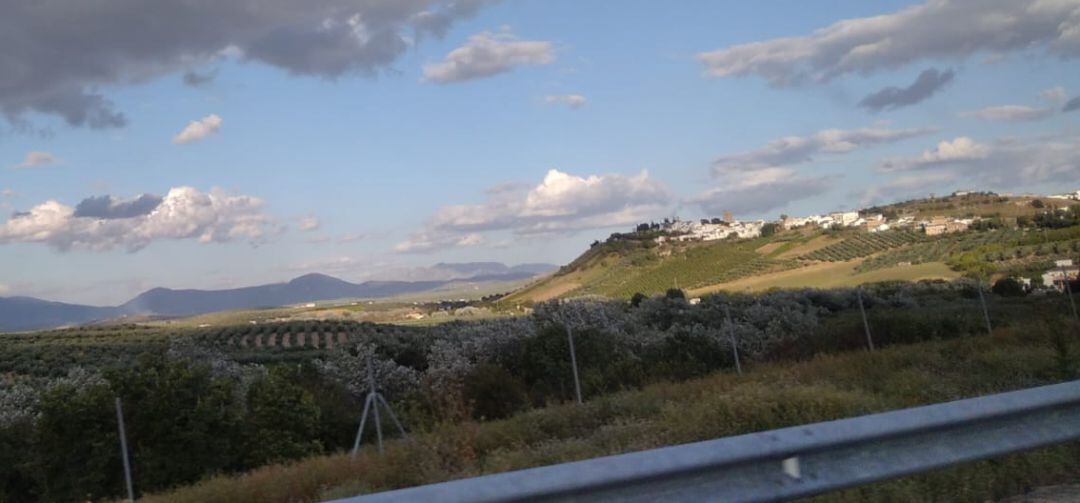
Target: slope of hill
<point>626,264</point>
<point>28,313</point>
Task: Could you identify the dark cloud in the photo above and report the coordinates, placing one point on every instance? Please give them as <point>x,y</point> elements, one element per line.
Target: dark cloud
<point>1073,104</point>
<point>20,214</point>
<point>107,207</point>
<point>926,84</point>
<point>197,79</point>
<point>57,55</point>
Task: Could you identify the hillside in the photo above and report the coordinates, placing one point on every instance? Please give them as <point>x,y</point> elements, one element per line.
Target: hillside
<point>1007,238</point>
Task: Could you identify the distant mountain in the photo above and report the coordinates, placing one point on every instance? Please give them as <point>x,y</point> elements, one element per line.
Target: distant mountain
<point>28,313</point>
<point>307,288</point>
<point>464,271</point>
<point>25,313</point>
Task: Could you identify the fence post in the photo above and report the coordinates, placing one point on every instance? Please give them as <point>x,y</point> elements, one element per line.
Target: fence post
<point>124,450</point>
<point>573,362</point>
<point>734,341</point>
<point>865,322</point>
<point>986,311</point>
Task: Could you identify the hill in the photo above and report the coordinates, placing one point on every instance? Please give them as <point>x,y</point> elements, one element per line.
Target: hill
<point>25,313</point>
<point>1015,236</point>
<point>28,313</point>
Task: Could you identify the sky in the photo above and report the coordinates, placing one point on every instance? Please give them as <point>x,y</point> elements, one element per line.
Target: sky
<point>203,144</point>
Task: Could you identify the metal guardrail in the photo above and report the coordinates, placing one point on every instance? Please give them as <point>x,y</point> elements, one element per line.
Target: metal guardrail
<point>789,462</point>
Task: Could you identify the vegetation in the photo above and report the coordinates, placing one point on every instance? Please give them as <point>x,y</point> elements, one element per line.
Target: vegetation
<point>767,396</point>
<point>227,407</point>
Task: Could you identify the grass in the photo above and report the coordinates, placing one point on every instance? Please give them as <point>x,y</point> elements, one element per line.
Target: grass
<point>768,396</point>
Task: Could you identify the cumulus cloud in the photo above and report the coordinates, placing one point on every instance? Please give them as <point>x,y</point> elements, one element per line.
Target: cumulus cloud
<point>561,203</point>
<point>486,54</point>
<point>961,149</point>
<point>574,101</point>
<point>37,159</point>
<point>310,223</point>
<point>57,55</point>
<point>936,29</point>
<point>758,191</point>
<point>799,149</point>
<point>926,84</point>
<point>105,223</point>
<point>198,130</point>
<point>107,207</point>
<point>1006,163</point>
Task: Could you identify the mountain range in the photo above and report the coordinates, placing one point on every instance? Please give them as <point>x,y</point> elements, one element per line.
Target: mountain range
<point>28,313</point>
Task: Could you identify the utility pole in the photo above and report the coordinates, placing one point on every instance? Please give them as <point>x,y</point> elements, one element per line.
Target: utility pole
<point>371,403</point>
<point>734,342</point>
<point>986,311</point>
<point>1068,291</point>
<point>573,361</point>
<point>865,322</point>
<point>124,450</point>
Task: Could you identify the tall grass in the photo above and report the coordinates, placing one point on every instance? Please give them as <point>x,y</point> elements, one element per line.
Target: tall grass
<point>768,396</point>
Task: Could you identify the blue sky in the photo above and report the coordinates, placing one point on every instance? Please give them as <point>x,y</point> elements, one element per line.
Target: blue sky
<point>359,163</point>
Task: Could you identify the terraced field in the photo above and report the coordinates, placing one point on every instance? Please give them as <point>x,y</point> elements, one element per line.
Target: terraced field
<point>863,244</point>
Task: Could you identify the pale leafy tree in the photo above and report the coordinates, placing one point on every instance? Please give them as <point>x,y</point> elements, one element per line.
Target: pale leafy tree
<point>461,347</point>
<point>350,367</point>
<point>19,400</point>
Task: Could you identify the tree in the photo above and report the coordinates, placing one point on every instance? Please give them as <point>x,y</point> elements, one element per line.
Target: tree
<point>768,229</point>
<point>636,300</point>
<point>1038,204</point>
<point>1008,287</point>
<point>282,418</point>
<point>675,293</point>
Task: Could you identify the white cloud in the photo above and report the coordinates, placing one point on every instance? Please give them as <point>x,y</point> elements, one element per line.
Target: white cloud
<point>309,223</point>
<point>573,101</point>
<point>561,203</point>
<point>961,149</point>
<point>36,159</point>
<point>198,130</point>
<point>184,213</point>
<point>486,54</point>
<point>1004,164</point>
<point>936,29</point>
<point>1011,113</point>
<point>799,149</point>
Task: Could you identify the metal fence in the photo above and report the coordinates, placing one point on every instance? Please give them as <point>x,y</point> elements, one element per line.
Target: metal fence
<point>789,462</point>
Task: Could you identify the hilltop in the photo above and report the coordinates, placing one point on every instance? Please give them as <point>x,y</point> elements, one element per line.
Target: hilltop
<point>930,238</point>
